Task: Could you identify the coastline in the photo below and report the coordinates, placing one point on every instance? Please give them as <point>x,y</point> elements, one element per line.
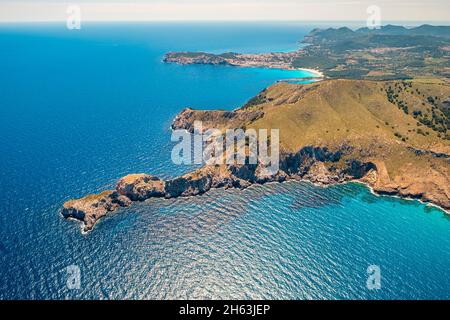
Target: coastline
<point>316,72</point>
<point>240,60</point>
<point>397,196</point>
<point>87,226</point>
<point>365,185</point>
<point>293,240</point>
<point>334,162</point>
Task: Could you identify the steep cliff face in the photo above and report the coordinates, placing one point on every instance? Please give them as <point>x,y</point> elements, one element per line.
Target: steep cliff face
<point>430,186</point>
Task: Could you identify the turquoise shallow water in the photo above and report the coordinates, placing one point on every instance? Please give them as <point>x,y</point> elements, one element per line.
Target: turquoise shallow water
<point>80,109</point>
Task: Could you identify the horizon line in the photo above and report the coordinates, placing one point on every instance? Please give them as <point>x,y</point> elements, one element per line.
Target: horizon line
<point>221,21</point>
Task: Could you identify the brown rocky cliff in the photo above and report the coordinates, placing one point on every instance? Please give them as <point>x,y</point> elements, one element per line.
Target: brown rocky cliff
<point>430,186</point>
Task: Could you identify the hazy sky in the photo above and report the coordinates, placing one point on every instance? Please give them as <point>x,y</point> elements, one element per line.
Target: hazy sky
<point>299,10</point>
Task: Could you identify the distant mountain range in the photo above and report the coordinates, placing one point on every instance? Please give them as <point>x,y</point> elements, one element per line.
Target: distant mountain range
<point>423,30</point>
<point>390,52</point>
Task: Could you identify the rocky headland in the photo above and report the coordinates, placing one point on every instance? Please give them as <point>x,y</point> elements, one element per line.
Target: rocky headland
<point>330,132</point>
<point>274,60</point>
<point>267,60</point>
<point>307,164</point>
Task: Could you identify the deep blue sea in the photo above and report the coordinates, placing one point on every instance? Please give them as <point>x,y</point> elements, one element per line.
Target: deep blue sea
<point>81,108</point>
